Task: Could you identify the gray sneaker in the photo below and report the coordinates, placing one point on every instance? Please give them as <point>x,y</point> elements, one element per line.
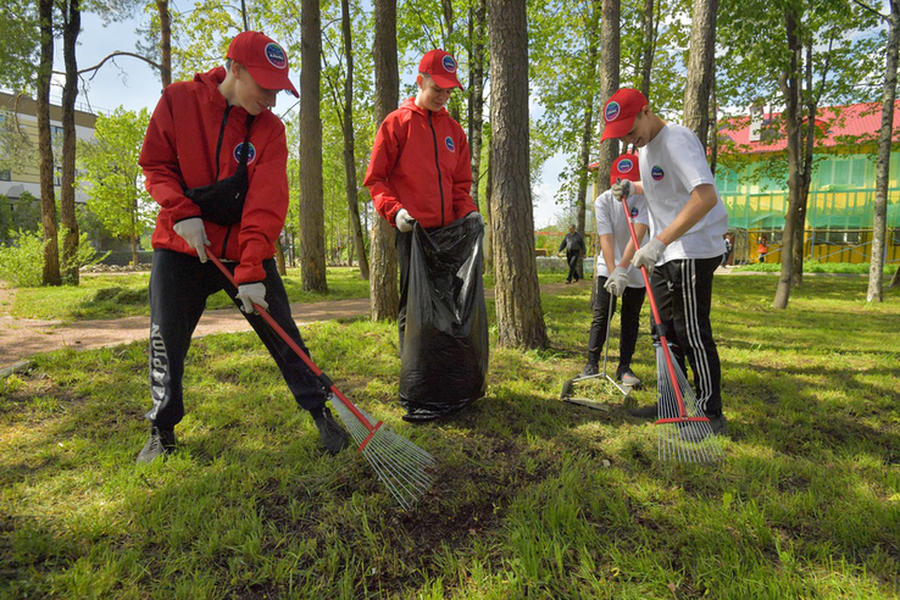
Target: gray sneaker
<point>697,432</point>
<point>334,438</point>
<point>589,370</point>
<point>161,442</point>
<point>627,377</point>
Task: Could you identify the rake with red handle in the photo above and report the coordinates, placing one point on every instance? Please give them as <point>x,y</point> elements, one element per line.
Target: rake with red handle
<point>404,468</point>
<point>689,435</point>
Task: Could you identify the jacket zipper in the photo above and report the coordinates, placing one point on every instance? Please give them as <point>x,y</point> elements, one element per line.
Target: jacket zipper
<point>437,164</point>
<point>218,149</point>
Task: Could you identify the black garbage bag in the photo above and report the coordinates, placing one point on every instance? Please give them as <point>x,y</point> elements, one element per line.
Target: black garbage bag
<point>444,360</point>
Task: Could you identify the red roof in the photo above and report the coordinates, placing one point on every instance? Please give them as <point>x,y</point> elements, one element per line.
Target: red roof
<point>841,126</point>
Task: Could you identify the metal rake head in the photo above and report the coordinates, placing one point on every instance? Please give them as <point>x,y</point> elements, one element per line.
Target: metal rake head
<point>405,469</point>
<point>684,433</point>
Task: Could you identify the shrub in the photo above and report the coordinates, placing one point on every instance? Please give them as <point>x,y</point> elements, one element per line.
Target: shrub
<point>22,264</point>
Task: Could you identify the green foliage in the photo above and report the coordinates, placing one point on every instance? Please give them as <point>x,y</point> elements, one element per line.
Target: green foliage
<point>18,52</point>
<point>21,264</point>
<point>113,179</point>
<point>534,498</point>
<point>18,152</point>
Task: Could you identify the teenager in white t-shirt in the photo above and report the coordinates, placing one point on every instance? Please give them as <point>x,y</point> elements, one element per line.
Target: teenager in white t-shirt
<point>687,222</point>
<point>614,281</point>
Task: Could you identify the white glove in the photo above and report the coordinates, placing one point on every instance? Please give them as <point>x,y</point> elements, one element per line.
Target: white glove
<point>617,282</point>
<point>404,221</point>
<point>623,189</point>
<point>648,255</point>
<point>194,233</point>
<point>476,216</point>
<point>250,294</point>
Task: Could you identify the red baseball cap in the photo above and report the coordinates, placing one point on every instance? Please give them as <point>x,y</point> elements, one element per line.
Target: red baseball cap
<point>441,67</point>
<point>265,60</point>
<point>620,111</point>
<point>625,167</point>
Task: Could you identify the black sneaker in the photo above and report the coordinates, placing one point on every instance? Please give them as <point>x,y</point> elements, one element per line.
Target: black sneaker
<point>589,370</point>
<point>334,438</point>
<point>696,432</point>
<point>645,412</point>
<point>161,442</point>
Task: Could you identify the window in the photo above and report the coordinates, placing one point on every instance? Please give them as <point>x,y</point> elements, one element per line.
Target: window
<point>837,237</point>
<point>845,172</point>
<point>5,175</point>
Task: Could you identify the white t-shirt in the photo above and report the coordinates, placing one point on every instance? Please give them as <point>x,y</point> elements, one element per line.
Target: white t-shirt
<point>610,218</point>
<point>672,165</point>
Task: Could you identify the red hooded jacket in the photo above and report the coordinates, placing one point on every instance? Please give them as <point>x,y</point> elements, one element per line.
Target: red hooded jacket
<point>420,161</point>
<point>179,153</point>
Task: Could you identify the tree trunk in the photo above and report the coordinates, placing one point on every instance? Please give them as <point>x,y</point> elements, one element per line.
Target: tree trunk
<point>588,129</point>
<point>349,146</point>
<point>67,186</point>
<point>648,30</point>
<point>879,224</point>
<point>487,212</point>
<point>165,42</point>
<point>478,33</point>
<point>790,87</point>
<point>700,68</point>
<point>520,321</point>
<point>312,205</point>
<point>609,81</point>
<point>383,286</point>
<point>476,92</point>
<point>805,178</point>
<point>50,274</point>
<point>280,263</point>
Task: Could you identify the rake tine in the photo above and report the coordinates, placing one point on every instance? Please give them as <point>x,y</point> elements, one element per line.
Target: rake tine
<point>381,446</point>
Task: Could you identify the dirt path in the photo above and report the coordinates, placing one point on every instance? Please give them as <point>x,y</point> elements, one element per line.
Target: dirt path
<point>22,338</point>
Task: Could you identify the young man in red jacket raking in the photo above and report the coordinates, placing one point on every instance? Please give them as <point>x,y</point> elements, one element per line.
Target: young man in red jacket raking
<point>215,159</point>
<point>420,169</point>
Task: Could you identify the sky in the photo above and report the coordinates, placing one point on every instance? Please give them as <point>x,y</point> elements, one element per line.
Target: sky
<point>132,84</point>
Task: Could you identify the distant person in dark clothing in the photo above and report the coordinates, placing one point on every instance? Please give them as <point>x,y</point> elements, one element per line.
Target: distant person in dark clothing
<point>573,244</point>
<point>729,248</point>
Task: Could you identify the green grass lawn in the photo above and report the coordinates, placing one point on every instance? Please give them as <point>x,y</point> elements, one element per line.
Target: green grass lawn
<point>535,498</point>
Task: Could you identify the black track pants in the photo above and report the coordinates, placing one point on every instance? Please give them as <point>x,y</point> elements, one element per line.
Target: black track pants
<point>179,287</point>
<point>632,300</point>
<point>683,292</point>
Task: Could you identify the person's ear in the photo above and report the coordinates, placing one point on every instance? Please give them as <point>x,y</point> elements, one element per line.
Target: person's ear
<point>420,81</point>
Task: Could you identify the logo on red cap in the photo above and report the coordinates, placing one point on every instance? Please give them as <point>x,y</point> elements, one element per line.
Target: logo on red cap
<point>449,64</point>
<point>275,55</point>
<point>612,111</point>
<point>625,165</point>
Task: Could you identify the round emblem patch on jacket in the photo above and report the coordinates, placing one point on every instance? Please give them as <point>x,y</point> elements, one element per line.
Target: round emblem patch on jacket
<point>657,173</point>
<point>448,141</point>
<point>251,153</point>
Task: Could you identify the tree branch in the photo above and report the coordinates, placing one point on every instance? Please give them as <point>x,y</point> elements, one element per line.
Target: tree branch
<point>96,67</point>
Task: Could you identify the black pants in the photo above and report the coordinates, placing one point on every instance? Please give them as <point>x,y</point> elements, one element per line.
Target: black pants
<point>572,259</point>
<point>632,300</point>
<point>683,293</point>
<point>179,287</point>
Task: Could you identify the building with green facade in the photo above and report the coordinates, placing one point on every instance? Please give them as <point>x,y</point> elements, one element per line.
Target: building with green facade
<point>751,175</point>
